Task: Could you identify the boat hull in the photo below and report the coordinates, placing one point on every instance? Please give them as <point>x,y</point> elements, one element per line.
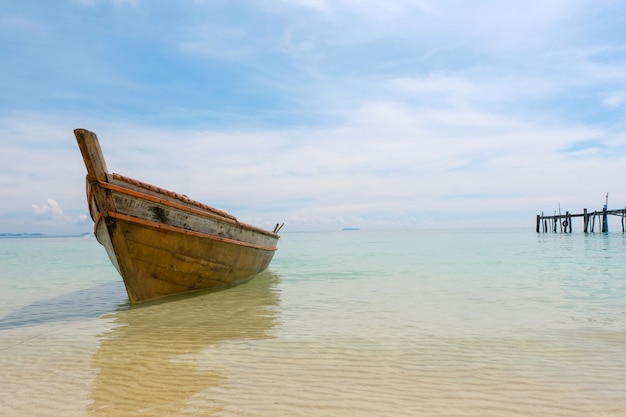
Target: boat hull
<point>163,243</point>
<point>155,262</point>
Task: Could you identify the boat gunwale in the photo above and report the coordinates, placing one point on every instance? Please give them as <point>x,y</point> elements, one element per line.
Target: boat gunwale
<point>177,229</point>
<point>186,204</point>
<point>181,197</point>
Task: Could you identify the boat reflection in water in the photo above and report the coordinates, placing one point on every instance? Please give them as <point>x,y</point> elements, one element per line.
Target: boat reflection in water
<point>156,359</point>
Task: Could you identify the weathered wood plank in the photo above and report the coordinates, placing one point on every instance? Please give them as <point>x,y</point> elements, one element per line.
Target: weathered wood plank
<point>92,154</point>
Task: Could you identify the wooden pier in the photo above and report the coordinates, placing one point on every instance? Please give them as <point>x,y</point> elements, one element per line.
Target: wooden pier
<point>564,221</point>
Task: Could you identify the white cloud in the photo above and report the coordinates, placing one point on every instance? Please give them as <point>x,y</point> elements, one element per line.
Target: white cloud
<point>615,100</point>
<point>52,211</point>
<point>49,210</point>
<point>434,83</point>
<point>386,164</point>
<point>320,5</point>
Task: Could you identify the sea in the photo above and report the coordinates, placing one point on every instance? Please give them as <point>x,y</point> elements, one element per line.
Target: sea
<point>346,323</point>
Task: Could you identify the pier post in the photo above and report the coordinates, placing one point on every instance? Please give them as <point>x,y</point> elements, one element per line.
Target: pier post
<point>538,220</point>
<point>585,220</point>
<point>593,221</point>
<point>565,222</point>
<point>605,221</point>
<point>568,218</point>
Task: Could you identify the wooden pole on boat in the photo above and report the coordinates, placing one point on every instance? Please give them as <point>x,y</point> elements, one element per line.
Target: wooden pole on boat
<point>92,155</point>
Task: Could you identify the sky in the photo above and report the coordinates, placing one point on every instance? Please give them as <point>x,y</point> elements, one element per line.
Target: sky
<point>322,114</point>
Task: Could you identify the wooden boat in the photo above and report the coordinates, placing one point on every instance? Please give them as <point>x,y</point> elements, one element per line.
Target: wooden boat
<point>164,243</point>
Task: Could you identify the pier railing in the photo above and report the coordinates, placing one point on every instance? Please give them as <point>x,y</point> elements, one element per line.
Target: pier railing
<point>564,221</point>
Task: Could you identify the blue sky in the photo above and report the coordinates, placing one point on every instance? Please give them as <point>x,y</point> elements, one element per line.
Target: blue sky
<point>320,114</point>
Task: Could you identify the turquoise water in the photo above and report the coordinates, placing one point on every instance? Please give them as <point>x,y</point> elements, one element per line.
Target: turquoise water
<point>358,323</point>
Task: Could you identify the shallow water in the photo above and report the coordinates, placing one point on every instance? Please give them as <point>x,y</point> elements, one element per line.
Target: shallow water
<point>473,323</point>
